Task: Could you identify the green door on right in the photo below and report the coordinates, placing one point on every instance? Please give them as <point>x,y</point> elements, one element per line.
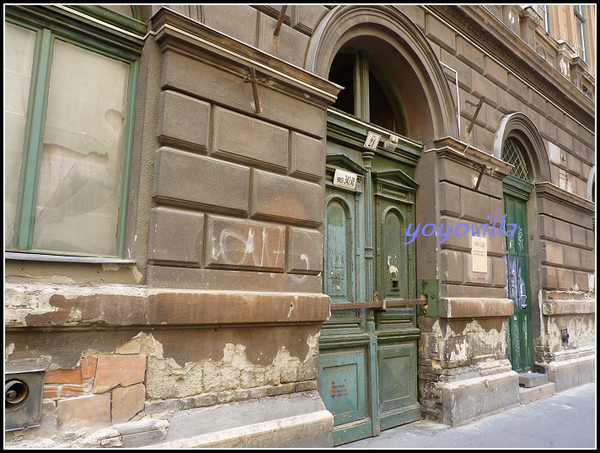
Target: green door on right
<point>519,341</point>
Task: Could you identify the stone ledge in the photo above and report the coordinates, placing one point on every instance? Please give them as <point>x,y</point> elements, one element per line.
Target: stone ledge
<point>142,307</point>
<point>297,420</point>
<point>572,373</point>
<point>470,399</point>
<point>568,307</point>
<point>300,431</point>
<point>475,308</point>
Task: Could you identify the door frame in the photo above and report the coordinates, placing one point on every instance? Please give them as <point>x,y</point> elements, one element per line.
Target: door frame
<point>350,345</point>
<point>521,191</point>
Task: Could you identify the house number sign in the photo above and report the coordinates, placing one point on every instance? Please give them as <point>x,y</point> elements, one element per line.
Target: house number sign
<point>345,179</point>
<point>372,141</point>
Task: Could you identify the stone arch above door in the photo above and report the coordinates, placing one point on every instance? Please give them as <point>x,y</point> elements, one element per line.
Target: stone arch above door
<point>518,125</point>
<point>404,52</point>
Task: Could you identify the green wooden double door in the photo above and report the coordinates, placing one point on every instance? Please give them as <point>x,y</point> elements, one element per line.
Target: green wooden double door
<point>519,341</point>
<point>368,356</point>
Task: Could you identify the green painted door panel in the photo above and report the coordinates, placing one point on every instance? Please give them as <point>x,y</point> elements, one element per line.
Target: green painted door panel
<point>397,378</point>
<point>368,358</point>
<point>338,261</point>
<point>396,327</point>
<point>342,385</point>
<point>519,342</point>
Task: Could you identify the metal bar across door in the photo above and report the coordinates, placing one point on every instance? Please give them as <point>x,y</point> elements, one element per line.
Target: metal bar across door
<point>380,304</point>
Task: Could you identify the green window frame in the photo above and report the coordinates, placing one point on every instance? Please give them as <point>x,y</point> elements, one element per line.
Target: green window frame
<point>101,35</point>
<point>580,30</point>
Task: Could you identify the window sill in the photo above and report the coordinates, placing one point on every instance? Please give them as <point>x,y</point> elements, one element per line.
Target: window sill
<point>66,259</point>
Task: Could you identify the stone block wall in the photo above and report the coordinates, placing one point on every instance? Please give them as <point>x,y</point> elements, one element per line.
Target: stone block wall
<point>478,212</point>
<point>466,339</point>
<point>233,199</point>
<point>488,70</point>
<point>567,280</point>
<point>237,185</point>
<point>228,197</point>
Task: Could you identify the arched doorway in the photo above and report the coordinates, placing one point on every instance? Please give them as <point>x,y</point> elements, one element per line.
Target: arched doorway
<point>518,143</point>
<point>517,190</point>
<point>395,99</point>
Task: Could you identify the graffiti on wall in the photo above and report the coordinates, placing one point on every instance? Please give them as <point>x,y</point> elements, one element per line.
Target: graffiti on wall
<point>517,290</point>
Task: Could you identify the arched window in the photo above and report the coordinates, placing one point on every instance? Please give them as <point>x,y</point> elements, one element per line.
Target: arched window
<point>519,143</point>
<point>367,93</point>
<point>514,153</point>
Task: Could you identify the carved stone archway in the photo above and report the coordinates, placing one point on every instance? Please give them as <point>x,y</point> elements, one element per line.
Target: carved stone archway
<point>405,54</point>
<point>520,126</point>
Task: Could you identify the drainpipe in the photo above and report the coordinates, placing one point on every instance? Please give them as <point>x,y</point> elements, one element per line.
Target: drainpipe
<point>457,96</point>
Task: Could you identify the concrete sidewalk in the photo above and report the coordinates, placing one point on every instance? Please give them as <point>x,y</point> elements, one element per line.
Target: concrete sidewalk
<point>564,420</point>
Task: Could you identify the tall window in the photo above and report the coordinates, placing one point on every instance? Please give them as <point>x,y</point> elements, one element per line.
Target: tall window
<point>514,154</point>
<point>580,31</point>
<point>68,113</point>
<point>542,11</point>
<point>367,92</point>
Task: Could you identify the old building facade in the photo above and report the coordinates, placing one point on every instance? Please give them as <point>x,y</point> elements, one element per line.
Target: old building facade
<point>266,225</point>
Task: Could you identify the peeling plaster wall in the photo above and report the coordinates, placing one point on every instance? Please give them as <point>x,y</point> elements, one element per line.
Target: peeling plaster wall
<point>570,310</point>
<point>452,350</point>
<point>456,343</point>
<point>580,331</point>
<point>233,371</point>
<point>126,376</point>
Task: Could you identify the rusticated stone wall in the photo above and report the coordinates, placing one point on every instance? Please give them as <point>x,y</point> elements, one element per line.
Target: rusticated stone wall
<point>237,181</point>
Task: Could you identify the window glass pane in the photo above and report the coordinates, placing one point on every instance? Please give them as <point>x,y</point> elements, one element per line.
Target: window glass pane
<point>513,153</point>
<point>580,39</point>
<point>542,11</point>
<point>80,169</point>
<point>342,73</point>
<point>18,62</point>
<point>380,107</point>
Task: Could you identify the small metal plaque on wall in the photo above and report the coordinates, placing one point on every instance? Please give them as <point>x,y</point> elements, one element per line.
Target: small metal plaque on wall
<point>346,179</point>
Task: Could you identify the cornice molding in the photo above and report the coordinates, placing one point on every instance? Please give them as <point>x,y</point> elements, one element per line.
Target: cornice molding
<point>351,131</point>
<point>554,193</point>
<point>465,154</point>
<point>179,33</point>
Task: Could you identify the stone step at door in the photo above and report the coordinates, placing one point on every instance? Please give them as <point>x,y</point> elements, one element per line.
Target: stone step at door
<point>534,386</point>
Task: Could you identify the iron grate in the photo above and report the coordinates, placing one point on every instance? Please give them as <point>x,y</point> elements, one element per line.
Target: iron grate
<point>513,154</point>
